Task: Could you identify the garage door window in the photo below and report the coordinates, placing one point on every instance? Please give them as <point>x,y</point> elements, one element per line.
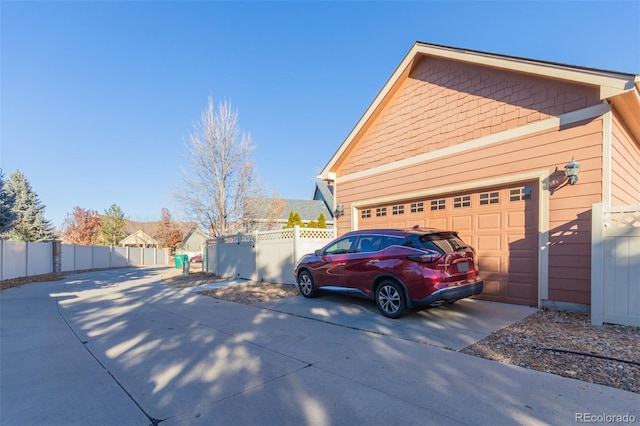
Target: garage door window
<point>438,204</point>
<point>365,214</point>
<point>397,210</point>
<point>520,194</point>
<point>460,202</point>
<point>489,198</point>
<point>381,211</point>
<point>417,207</point>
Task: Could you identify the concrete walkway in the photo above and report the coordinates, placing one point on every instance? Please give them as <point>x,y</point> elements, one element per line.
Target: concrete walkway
<point>122,348</point>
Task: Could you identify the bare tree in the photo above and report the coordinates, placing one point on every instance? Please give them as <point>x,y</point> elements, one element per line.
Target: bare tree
<point>221,177</point>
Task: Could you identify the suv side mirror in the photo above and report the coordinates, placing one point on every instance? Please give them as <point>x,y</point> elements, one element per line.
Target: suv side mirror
<point>318,252</point>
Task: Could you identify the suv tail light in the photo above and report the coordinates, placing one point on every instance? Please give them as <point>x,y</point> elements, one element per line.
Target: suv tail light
<point>429,257</point>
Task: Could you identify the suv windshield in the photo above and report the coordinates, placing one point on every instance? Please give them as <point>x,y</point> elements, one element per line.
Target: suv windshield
<point>444,242</point>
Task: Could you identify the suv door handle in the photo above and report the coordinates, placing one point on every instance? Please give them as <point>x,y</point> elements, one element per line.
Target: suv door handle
<point>373,261</point>
<point>341,264</point>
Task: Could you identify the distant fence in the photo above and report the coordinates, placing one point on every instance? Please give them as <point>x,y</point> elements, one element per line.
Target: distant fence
<point>615,265</point>
<point>264,256</point>
<point>24,259</point>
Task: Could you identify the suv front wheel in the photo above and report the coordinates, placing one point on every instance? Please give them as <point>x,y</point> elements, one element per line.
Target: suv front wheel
<point>306,284</point>
<point>390,299</point>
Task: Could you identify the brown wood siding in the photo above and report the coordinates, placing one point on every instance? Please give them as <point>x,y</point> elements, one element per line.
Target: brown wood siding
<point>625,165</point>
<point>569,206</point>
<point>444,103</point>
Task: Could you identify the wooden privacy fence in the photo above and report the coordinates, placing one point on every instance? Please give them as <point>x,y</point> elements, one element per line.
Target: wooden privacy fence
<point>615,265</point>
<point>264,256</point>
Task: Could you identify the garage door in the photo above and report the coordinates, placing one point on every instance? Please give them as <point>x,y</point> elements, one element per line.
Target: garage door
<point>500,223</point>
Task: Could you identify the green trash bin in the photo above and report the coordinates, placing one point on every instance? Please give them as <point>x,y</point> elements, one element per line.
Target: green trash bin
<point>180,259</point>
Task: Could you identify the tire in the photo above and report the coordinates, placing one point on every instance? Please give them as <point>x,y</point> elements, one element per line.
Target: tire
<point>307,285</point>
<point>390,299</point>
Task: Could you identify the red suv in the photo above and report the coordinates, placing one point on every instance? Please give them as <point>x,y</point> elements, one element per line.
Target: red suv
<point>398,269</point>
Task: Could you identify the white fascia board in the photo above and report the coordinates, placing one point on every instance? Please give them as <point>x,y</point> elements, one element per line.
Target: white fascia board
<point>611,83</point>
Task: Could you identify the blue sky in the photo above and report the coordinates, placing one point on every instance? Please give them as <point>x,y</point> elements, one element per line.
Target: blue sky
<point>97,98</point>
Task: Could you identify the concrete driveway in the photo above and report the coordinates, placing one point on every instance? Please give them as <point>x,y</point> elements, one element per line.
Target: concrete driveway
<point>121,347</point>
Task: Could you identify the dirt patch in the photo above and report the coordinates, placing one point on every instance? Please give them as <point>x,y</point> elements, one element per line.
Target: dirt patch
<point>17,282</point>
<point>249,292</point>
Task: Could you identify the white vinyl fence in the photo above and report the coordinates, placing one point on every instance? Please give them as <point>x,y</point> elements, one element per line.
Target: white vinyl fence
<point>615,265</point>
<point>23,259</point>
<point>265,256</point>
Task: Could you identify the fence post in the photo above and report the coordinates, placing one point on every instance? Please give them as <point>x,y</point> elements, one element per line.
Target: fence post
<point>56,250</point>
<point>296,240</point>
<point>26,259</point>
<point>597,253</point>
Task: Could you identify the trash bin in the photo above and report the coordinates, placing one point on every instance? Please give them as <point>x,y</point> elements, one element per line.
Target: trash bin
<point>180,260</point>
<point>185,267</point>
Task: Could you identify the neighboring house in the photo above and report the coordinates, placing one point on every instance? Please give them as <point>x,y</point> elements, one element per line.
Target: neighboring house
<point>139,239</point>
<point>193,240</point>
<point>150,232</point>
<point>478,143</point>
<point>309,210</point>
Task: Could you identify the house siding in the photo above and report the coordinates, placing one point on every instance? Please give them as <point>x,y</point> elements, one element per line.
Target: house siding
<point>569,206</point>
<point>625,161</point>
<point>444,103</point>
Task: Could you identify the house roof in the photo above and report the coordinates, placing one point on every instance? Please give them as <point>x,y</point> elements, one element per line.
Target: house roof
<point>308,209</point>
<point>621,89</point>
<point>153,228</point>
<point>324,192</point>
<point>137,238</point>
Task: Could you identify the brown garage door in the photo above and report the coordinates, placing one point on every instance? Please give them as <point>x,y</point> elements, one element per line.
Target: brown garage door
<point>500,223</point>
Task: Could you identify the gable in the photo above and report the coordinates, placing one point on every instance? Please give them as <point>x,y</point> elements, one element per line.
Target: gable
<point>441,96</point>
<point>442,103</point>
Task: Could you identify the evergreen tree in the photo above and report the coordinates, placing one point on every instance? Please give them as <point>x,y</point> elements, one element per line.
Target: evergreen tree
<point>7,216</point>
<point>30,223</point>
<point>294,219</point>
<point>322,222</point>
<point>112,229</point>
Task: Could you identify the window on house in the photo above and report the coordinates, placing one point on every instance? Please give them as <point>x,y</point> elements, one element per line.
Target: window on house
<point>381,211</point>
<point>417,207</point>
<point>464,201</point>
<point>520,194</point>
<point>489,198</point>
<point>438,204</point>
<point>365,214</point>
<point>397,210</point>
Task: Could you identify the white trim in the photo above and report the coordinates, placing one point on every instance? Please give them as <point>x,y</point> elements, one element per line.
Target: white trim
<point>613,82</point>
<point>539,126</point>
<point>543,240</point>
<point>607,135</point>
<point>540,175</point>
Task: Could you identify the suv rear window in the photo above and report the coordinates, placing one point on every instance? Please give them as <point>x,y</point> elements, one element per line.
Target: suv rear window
<point>445,242</point>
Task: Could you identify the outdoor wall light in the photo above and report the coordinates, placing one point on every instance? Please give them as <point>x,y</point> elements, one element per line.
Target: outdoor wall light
<point>571,170</point>
<point>339,211</point>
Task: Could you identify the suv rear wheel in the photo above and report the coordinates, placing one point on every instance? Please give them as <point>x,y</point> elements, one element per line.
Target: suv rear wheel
<point>390,299</point>
<point>306,284</point>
